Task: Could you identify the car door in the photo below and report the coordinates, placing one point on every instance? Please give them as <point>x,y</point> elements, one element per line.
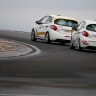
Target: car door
<point>46,26</point>
<point>41,30</point>
<point>77,33</point>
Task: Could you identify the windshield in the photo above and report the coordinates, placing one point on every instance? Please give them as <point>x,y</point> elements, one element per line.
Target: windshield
<point>66,22</point>
<point>91,27</point>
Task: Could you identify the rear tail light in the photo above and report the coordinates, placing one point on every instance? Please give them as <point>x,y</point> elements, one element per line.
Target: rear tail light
<point>54,27</point>
<point>85,34</point>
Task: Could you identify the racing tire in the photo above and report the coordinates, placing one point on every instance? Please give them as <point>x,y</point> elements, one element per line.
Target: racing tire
<point>71,45</point>
<point>47,38</point>
<point>33,37</point>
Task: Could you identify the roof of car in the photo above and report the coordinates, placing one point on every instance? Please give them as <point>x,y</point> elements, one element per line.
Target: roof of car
<point>60,16</point>
<point>90,21</point>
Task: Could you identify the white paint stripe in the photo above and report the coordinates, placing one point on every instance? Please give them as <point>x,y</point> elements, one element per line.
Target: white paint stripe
<point>37,49</point>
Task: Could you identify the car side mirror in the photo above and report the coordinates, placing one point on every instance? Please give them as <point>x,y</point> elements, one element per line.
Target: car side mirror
<point>38,22</point>
<point>74,28</point>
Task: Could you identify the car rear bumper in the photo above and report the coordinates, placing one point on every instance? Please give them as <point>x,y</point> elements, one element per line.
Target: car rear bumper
<point>91,47</point>
<point>88,44</point>
<point>56,36</point>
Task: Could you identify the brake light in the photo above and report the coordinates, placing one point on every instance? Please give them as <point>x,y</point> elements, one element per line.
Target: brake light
<point>85,34</point>
<point>54,27</point>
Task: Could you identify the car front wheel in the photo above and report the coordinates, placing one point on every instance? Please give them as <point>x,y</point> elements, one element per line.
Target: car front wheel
<point>47,38</point>
<point>33,38</point>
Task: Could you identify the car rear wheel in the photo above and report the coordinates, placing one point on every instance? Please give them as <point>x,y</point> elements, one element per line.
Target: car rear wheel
<point>33,38</point>
<point>71,45</point>
<point>47,38</point>
<point>79,46</point>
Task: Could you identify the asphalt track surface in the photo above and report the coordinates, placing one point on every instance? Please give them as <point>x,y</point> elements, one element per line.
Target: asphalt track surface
<point>55,61</point>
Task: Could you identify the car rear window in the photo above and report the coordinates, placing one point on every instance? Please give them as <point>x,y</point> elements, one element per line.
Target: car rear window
<point>91,27</point>
<point>66,22</point>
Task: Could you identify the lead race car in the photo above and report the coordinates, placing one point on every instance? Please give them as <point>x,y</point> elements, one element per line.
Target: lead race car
<point>53,28</point>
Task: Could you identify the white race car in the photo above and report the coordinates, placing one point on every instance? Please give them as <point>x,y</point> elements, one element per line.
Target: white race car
<point>84,36</point>
<point>53,28</point>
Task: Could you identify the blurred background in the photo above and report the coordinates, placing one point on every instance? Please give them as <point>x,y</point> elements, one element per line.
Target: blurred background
<point>20,15</point>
